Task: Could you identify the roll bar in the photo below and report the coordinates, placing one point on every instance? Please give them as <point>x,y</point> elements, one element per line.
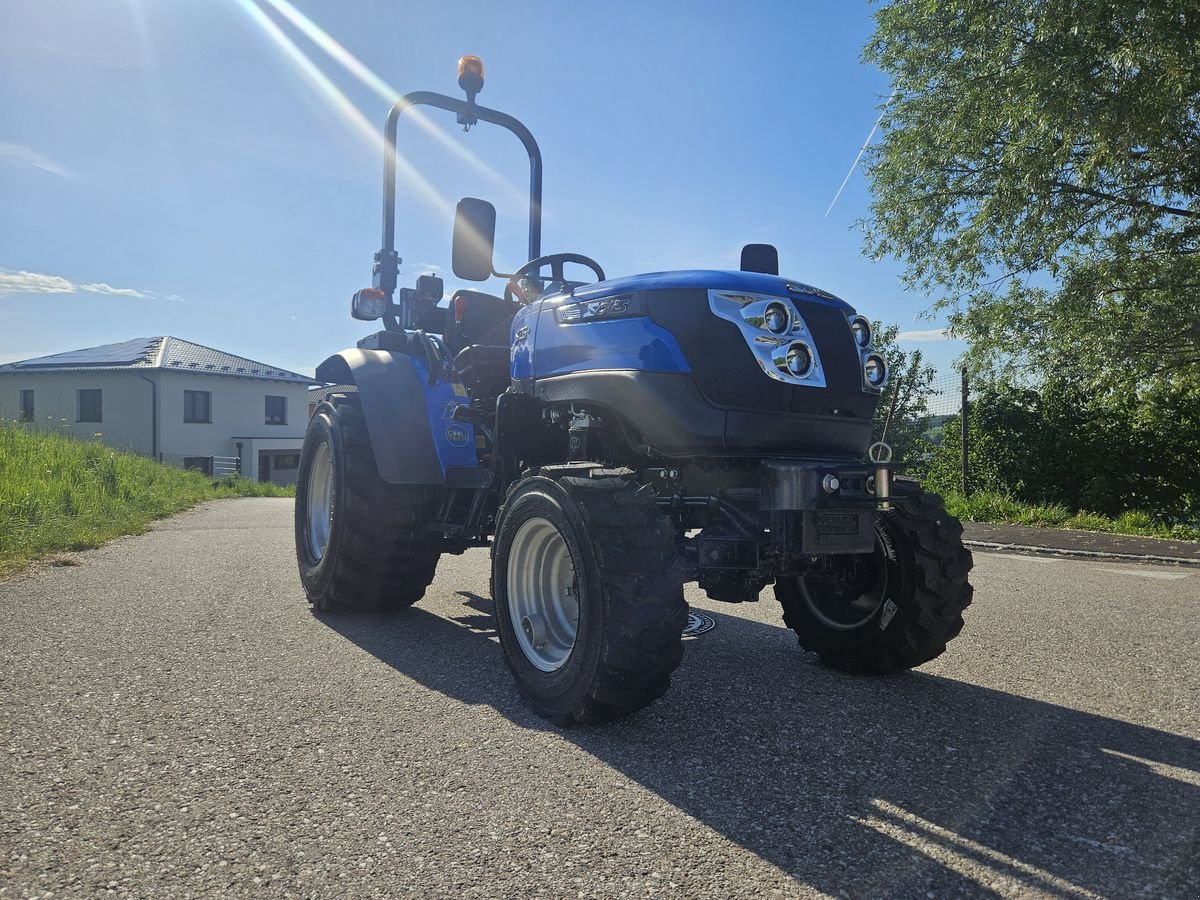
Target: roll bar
<point>387,262</point>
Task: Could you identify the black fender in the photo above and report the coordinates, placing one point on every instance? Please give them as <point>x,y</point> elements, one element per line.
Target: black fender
<point>392,394</point>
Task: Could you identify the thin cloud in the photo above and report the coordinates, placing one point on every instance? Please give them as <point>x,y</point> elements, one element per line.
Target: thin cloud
<point>102,288</point>
<point>33,283</point>
<point>19,153</point>
<point>931,334</point>
<point>13,283</point>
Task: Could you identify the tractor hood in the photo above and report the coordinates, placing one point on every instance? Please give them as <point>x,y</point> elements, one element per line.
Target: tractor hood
<point>710,279</point>
<point>699,361</point>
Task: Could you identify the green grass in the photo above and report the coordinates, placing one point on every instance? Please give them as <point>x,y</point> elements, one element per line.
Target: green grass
<point>59,494</point>
<point>1001,509</point>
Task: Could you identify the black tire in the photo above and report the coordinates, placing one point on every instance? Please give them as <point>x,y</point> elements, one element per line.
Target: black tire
<point>631,612</point>
<point>379,555</point>
<point>921,568</point>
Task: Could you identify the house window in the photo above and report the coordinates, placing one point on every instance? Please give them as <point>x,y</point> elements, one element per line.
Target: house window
<point>199,463</point>
<point>277,410</point>
<point>26,406</point>
<point>197,406</point>
<point>287,460</point>
<point>90,405</point>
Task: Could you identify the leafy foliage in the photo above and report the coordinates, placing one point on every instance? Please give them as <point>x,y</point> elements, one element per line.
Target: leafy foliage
<point>1108,453</point>
<point>1039,175</point>
<point>903,426</point>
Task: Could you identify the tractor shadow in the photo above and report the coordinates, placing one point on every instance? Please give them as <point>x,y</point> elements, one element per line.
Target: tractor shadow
<point>870,786</point>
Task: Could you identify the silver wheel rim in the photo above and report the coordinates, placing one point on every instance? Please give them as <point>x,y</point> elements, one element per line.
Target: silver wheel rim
<point>319,501</point>
<point>543,594</point>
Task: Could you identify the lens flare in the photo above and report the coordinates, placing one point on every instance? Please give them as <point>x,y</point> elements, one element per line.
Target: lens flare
<point>342,105</point>
<point>352,64</point>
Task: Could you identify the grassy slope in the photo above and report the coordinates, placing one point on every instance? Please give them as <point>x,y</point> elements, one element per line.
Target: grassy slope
<point>999,509</point>
<point>58,494</point>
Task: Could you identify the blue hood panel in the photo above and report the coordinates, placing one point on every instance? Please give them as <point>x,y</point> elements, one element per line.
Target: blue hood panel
<point>753,282</point>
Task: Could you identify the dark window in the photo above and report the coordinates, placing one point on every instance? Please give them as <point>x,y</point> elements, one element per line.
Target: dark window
<point>287,460</point>
<point>90,405</point>
<point>197,406</point>
<point>277,410</point>
<point>199,463</point>
<point>26,406</point>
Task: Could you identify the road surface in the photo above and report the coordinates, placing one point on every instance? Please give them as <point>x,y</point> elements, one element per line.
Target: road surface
<point>175,722</point>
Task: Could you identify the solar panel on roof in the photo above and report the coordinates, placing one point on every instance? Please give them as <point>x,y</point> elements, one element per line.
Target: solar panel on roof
<point>121,354</point>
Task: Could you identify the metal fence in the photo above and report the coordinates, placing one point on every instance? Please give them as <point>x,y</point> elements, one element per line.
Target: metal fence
<point>216,466</point>
<point>926,427</point>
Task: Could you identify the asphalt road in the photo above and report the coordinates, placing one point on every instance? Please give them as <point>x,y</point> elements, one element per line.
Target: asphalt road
<point>175,722</point>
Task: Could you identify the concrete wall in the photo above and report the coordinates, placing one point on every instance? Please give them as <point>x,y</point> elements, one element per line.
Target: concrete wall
<point>126,405</point>
<point>238,410</point>
<point>238,407</point>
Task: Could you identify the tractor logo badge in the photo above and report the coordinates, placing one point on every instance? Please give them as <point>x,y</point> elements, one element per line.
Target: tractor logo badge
<point>457,435</point>
<point>595,309</point>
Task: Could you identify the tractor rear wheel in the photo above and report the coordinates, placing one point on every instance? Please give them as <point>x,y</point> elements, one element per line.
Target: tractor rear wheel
<point>589,619</point>
<point>895,608</point>
<point>361,542</point>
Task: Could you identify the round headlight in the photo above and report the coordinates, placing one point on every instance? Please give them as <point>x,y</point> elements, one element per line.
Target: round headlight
<point>862,331</point>
<point>776,318</point>
<point>875,370</point>
<point>799,360</point>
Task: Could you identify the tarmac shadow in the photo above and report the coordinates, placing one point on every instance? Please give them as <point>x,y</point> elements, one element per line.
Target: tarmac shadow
<point>869,785</point>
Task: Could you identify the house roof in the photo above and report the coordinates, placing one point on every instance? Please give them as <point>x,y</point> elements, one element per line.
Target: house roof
<point>163,353</point>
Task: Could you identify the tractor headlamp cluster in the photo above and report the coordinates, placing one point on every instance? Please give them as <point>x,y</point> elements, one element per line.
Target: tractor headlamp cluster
<point>874,366</point>
<point>776,333</point>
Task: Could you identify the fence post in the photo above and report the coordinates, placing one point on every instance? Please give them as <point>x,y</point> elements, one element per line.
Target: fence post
<point>966,431</point>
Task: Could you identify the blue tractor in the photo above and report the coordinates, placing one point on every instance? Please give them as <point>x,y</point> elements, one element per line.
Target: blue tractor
<point>611,441</point>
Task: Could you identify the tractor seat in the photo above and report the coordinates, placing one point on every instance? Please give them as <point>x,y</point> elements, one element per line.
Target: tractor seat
<point>483,369</point>
<point>474,317</point>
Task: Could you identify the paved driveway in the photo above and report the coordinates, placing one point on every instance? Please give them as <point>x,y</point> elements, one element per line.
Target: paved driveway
<point>176,722</point>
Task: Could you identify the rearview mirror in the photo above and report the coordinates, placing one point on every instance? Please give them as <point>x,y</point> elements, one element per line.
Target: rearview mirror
<point>474,238</point>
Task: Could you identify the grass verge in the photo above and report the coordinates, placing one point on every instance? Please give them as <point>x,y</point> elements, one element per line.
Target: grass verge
<point>1004,510</point>
<point>59,494</point>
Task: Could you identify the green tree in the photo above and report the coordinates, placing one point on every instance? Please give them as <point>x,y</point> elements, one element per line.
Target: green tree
<point>908,385</point>
<point>1039,175</point>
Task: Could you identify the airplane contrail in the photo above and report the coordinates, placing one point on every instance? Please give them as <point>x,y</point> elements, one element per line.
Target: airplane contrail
<point>854,165</point>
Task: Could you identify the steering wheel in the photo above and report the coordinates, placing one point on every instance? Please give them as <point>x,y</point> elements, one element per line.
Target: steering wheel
<point>555,261</point>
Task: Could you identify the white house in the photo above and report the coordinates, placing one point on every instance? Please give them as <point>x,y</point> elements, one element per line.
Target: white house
<point>169,398</point>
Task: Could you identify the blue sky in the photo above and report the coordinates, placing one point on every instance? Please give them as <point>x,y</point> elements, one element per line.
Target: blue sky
<point>211,168</point>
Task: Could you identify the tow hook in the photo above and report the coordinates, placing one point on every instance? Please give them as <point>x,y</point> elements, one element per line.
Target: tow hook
<point>880,453</point>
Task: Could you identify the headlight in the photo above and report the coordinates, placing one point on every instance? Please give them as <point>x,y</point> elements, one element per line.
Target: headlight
<point>875,370</point>
<point>862,331</point>
<point>776,318</point>
<point>799,359</point>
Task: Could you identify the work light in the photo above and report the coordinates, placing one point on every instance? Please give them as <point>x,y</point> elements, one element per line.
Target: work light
<point>776,318</point>
<point>875,370</point>
<point>799,359</point>
<point>862,331</point>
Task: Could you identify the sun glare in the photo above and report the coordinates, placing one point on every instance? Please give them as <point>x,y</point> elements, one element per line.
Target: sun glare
<point>352,64</point>
<point>342,105</point>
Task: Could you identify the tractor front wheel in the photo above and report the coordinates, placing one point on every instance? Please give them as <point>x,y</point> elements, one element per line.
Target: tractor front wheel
<point>589,618</point>
<point>361,543</point>
<point>895,608</point>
